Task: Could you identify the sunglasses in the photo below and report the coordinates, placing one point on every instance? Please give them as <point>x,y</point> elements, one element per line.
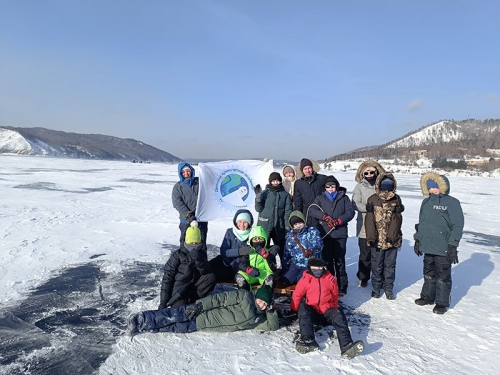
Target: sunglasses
<point>330,186</point>
<point>369,173</point>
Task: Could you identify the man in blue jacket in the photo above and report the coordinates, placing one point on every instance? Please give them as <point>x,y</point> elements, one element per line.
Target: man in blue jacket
<point>439,231</point>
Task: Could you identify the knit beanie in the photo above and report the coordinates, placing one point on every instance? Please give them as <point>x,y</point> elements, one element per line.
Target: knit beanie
<point>275,176</point>
<point>295,219</point>
<point>244,216</point>
<point>193,234</point>
<point>315,262</point>
<point>432,184</point>
<point>264,293</point>
<point>305,163</point>
<point>387,184</point>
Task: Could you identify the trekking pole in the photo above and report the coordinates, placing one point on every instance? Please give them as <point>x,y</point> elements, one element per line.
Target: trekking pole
<point>307,215</point>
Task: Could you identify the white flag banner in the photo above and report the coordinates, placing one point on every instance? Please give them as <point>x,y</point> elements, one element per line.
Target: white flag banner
<point>227,186</point>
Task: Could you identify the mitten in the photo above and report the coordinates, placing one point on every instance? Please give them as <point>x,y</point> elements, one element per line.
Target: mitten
<point>232,253</point>
<point>190,216</point>
<point>247,250</point>
<point>254,272</point>
<point>452,254</point>
<point>193,311</point>
<point>257,189</point>
<point>274,250</point>
<point>369,207</point>
<point>416,248</point>
<point>264,253</point>
<point>337,222</point>
<point>329,221</point>
<point>399,208</point>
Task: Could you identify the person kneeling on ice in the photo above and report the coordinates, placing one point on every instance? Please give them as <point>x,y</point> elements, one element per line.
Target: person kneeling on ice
<point>320,305</point>
<point>229,311</point>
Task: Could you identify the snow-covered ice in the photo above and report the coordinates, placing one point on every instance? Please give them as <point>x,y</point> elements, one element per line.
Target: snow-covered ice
<point>92,237</point>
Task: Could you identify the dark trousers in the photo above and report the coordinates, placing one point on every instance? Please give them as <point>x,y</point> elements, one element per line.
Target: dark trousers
<point>278,238</point>
<point>334,316</point>
<point>221,271</point>
<point>437,280</point>
<point>292,275</point>
<point>203,225</point>
<point>384,269</point>
<point>365,260</point>
<point>203,286</point>
<point>334,250</point>
<point>166,320</point>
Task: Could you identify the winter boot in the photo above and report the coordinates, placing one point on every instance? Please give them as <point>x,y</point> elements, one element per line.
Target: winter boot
<point>353,349</point>
<point>376,294</point>
<point>363,284</point>
<point>439,309</point>
<point>132,324</point>
<point>423,302</point>
<point>306,344</point>
<point>269,280</point>
<point>389,295</point>
<point>241,282</point>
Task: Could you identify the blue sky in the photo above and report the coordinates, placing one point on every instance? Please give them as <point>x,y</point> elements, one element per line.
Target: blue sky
<point>242,79</point>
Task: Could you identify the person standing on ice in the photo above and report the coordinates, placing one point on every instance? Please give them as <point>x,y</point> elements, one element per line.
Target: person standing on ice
<point>184,199</point>
<point>187,274</point>
<point>229,311</point>
<point>366,176</point>
<point>315,298</point>
<point>288,173</point>
<point>383,222</point>
<point>438,234</point>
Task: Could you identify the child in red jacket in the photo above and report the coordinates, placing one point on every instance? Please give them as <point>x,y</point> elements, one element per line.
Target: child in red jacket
<point>320,305</point>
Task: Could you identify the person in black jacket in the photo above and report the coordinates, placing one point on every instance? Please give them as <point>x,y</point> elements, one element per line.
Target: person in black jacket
<point>334,208</point>
<point>308,186</point>
<point>187,275</point>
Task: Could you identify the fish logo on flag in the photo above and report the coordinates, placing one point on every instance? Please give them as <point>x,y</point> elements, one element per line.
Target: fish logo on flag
<point>228,186</point>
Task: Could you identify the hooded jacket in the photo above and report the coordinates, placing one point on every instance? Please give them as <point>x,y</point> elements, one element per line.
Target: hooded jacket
<point>185,193</point>
<point>310,239</point>
<point>255,260</point>
<point>441,219</point>
<point>362,191</point>
<point>289,182</point>
<point>306,189</point>
<point>321,293</point>
<point>274,207</point>
<point>383,224</point>
<point>234,310</point>
<point>231,241</point>
<point>340,208</point>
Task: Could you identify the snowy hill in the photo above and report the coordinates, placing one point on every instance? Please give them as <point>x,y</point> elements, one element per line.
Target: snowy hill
<point>45,142</point>
<point>83,243</point>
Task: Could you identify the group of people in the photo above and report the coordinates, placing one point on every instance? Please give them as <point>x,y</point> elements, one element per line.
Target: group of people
<point>305,214</point>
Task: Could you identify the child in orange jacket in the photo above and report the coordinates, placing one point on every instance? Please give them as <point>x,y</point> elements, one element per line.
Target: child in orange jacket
<point>316,300</point>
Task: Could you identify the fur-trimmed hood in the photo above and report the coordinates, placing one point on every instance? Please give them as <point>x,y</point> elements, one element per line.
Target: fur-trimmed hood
<point>441,180</point>
<point>298,171</point>
<point>380,177</point>
<point>366,164</point>
<point>294,171</point>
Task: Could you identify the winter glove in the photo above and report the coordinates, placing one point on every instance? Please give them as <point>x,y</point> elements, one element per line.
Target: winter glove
<point>416,248</point>
<point>190,216</point>
<point>193,311</point>
<point>371,244</point>
<point>247,250</point>
<point>399,208</point>
<point>369,207</point>
<point>452,254</point>
<point>274,250</point>
<point>254,272</point>
<point>257,189</point>
<point>337,222</point>
<point>329,221</point>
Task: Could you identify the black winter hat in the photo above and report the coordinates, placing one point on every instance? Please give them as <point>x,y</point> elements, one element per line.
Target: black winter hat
<point>331,180</point>
<point>305,163</point>
<point>387,184</point>
<point>295,219</point>
<point>275,176</point>
<point>315,262</point>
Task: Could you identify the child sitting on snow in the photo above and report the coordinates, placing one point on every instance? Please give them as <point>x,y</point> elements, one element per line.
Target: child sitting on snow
<point>316,300</point>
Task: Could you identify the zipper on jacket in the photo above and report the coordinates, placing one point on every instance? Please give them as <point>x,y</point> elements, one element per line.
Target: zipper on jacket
<point>447,223</point>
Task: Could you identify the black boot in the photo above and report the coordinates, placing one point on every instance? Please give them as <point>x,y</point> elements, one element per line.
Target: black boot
<point>132,324</point>
<point>423,302</point>
<point>306,344</point>
<point>241,282</point>
<point>353,349</point>
<point>439,309</point>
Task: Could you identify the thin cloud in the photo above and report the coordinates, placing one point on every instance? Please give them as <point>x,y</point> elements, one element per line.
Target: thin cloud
<point>494,97</point>
<point>415,105</point>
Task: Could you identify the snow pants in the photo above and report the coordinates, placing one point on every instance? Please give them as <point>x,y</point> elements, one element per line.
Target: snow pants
<point>203,225</point>
<point>383,269</point>
<point>308,316</point>
<point>334,250</point>
<point>292,275</point>
<point>437,280</point>
<point>166,320</point>
<point>365,260</point>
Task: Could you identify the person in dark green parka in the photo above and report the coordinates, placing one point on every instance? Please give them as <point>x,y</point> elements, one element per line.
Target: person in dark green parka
<point>438,234</point>
<point>229,311</point>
